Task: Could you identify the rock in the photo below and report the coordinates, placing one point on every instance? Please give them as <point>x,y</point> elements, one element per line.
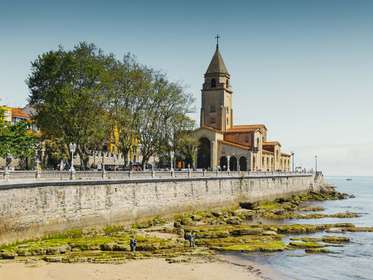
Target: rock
<point>317,251</point>
<point>249,231</point>
<point>23,252</point>
<point>279,212</point>
<point>269,232</point>
<point>63,249</point>
<point>196,218</point>
<point>107,246</point>
<point>334,230</point>
<point>118,247</point>
<point>216,213</point>
<point>7,255</point>
<point>52,259</point>
<point>335,239</point>
<point>177,224</point>
<point>38,252</point>
<point>249,205</point>
<point>234,221</point>
<point>52,251</point>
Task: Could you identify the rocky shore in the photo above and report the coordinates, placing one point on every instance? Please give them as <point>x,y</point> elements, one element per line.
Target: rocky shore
<point>249,227</point>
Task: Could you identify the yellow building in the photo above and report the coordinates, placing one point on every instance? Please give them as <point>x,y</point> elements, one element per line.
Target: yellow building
<point>224,145</point>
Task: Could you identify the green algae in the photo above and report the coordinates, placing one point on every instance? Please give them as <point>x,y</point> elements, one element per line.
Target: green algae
<point>318,251</point>
<point>304,245</point>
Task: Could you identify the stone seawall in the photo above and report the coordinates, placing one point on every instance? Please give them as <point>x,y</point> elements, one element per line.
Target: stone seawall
<point>30,209</point>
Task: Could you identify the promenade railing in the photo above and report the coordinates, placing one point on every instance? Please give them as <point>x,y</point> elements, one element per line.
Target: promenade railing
<point>52,175</point>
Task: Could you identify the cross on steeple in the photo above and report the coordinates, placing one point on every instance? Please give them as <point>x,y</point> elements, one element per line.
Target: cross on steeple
<point>217,37</point>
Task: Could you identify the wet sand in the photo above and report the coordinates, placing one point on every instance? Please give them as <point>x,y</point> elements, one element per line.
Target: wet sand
<point>152,269</point>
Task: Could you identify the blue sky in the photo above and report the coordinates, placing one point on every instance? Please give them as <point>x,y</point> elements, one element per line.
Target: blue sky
<point>304,68</point>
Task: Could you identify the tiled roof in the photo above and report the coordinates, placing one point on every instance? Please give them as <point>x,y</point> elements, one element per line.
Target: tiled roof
<point>235,144</point>
<point>246,128</point>
<point>271,143</point>
<point>19,113</point>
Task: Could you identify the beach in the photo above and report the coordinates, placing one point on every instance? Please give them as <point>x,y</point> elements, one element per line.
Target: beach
<point>152,269</point>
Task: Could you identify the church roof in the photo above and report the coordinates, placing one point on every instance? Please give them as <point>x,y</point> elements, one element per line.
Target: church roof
<point>246,128</point>
<point>245,147</point>
<point>217,64</point>
<point>271,143</point>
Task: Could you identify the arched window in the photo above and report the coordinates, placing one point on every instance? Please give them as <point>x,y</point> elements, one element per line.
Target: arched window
<point>213,83</point>
<point>227,83</point>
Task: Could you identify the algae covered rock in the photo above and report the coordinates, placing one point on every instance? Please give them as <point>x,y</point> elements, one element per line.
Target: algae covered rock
<point>246,231</point>
<point>249,205</point>
<point>8,255</point>
<point>302,244</point>
<point>335,239</point>
<point>107,246</point>
<point>53,259</point>
<point>317,251</point>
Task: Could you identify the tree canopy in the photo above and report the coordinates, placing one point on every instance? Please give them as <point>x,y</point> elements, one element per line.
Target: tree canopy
<point>88,97</point>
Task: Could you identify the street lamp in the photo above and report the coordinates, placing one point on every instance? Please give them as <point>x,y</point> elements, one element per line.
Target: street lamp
<point>292,162</point>
<point>172,153</point>
<point>72,148</point>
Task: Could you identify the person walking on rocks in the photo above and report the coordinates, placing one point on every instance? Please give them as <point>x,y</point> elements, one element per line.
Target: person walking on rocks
<point>133,244</point>
<point>190,237</point>
<point>192,240</point>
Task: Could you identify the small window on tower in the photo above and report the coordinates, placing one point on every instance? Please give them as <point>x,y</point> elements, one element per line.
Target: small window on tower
<point>227,83</point>
<point>213,83</point>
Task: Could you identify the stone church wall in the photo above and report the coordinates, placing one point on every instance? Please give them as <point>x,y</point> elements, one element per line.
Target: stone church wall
<point>30,209</point>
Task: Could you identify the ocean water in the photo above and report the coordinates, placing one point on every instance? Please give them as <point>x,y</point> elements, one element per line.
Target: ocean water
<point>353,261</point>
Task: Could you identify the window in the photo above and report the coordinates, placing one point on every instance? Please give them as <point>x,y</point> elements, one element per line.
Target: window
<point>212,108</point>
<point>227,83</point>
<point>257,142</point>
<point>213,83</point>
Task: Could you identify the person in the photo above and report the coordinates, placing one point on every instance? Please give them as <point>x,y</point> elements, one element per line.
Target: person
<point>192,241</point>
<point>133,244</point>
<point>191,238</point>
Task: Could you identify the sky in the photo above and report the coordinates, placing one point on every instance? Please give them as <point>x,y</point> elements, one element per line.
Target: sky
<point>303,68</point>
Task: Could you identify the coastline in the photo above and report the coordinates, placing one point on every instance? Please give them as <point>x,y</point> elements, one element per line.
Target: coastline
<point>154,269</point>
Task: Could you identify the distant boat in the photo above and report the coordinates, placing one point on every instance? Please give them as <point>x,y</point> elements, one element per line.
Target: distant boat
<point>348,179</point>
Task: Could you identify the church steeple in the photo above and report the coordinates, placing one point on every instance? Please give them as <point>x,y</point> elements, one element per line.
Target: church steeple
<point>217,65</point>
<point>216,110</point>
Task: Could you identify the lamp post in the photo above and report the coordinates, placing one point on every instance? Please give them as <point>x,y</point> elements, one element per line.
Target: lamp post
<point>37,163</point>
<point>72,148</point>
<point>292,162</point>
<point>228,163</point>
<point>172,153</point>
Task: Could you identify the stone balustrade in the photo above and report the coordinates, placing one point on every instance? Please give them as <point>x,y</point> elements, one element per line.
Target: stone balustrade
<point>54,175</point>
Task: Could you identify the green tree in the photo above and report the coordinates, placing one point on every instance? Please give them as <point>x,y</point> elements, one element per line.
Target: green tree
<point>129,89</point>
<point>17,141</point>
<point>163,116</point>
<point>68,90</point>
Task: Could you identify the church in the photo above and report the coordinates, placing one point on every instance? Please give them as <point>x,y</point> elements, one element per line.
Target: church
<point>224,145</point>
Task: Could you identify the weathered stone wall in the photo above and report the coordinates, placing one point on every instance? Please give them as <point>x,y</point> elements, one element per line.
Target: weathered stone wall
<point>29,209</point>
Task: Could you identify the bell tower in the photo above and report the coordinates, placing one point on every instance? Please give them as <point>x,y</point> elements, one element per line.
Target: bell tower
<point>216,110</point>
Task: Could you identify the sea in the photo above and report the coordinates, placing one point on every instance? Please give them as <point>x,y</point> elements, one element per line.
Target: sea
<point>354,261</point>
